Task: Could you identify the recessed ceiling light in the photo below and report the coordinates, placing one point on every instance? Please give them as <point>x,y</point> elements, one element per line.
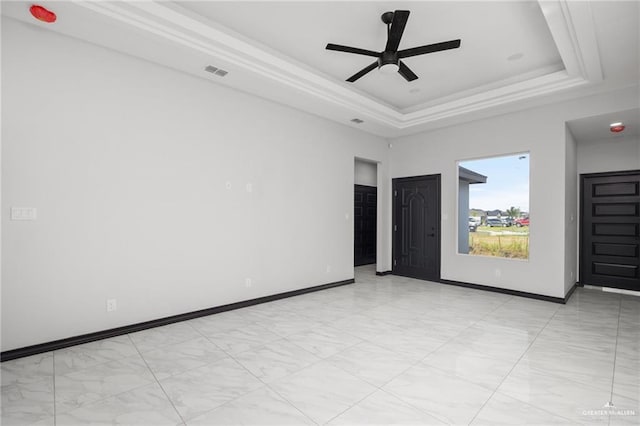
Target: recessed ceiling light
<point>616,127</point>
<point>515,56</point>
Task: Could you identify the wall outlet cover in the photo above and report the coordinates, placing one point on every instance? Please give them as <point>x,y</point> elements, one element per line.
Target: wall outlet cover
<point>112,305</point>
<point>23,213</point>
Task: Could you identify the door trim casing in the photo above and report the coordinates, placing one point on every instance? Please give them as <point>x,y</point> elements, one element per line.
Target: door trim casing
<point>394,223</point>
<point>583,177</point>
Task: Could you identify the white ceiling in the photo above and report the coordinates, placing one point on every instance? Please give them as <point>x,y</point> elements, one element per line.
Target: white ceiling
<point>276,50</point>
<point>302,30</point>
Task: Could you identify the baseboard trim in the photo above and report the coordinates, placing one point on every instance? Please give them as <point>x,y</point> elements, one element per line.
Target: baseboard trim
<point>561,300</point>
<point>132,328</point>
<point>570,292</point>
<point>383,273</point>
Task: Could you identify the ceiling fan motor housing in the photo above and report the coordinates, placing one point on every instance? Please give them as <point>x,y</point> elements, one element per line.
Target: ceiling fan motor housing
<point>387,58</point>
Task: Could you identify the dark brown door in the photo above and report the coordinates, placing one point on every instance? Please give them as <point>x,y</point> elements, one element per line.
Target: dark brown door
<point>364,217</point>
<point>610,230</point>
<point>416,222</point>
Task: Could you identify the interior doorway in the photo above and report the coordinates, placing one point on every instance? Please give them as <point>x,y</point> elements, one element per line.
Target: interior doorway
<point>365,217</point>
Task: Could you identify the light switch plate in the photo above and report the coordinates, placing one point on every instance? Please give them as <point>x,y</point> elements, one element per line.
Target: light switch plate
<point>23,213</point>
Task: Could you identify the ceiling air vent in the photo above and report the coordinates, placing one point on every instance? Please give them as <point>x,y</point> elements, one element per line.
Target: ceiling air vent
<point>217,71</point>
<point>357,120</point>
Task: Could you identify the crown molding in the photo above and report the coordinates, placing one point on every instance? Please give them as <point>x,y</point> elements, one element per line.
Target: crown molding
<point>572,28</point>
<point>570,23</point>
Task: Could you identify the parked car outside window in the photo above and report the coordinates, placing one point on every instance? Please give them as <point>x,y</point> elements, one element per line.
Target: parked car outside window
<point>524,221</point>
<point>507,221</point>
<point>495,223</point>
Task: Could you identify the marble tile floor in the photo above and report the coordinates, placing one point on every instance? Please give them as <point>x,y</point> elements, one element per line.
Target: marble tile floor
<point>386,350</point>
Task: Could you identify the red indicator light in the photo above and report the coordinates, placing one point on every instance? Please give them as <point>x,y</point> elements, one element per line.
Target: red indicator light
<point>42,14</point>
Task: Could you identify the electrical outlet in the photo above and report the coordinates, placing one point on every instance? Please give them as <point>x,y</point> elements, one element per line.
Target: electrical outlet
<point>112,305</point>
<point>247,282</point>
<point>328,269</point>
<point>23,213</point>
<point>498,273</point>
<point>249,187</point>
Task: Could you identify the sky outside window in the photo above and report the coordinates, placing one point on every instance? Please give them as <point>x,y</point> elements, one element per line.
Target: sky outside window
<point>507,183</point>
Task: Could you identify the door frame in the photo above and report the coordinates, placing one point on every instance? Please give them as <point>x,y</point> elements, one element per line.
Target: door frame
<point>394,223</point>
<point>583,177</point>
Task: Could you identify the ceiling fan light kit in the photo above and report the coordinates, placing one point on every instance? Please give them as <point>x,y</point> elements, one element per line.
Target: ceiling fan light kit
<point>389,68</point>
<point>389,60</point>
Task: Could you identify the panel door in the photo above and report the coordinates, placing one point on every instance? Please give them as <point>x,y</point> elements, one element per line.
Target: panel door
<point>416,248</point>
<point>610,230</point>
<point>365,220</point>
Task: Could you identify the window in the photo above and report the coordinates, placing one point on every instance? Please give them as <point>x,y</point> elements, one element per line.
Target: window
<point>493,206</point>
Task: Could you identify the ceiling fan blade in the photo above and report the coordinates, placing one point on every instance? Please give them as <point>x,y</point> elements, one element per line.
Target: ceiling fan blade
<point>357,51</point>
<point>406,72</point>
<point>429,48</point>
<point>362,72</point>
<point>397,28</point>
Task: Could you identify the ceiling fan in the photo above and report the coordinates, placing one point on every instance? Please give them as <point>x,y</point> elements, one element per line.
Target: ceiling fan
<point>390,58</point>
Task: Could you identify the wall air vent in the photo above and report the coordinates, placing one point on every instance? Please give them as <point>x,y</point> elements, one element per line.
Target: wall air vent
<point>357,120</point>
<point>216,71</point>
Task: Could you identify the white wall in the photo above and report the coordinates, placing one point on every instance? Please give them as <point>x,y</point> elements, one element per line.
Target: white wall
<point>366,173</point>
<point>571,212</point>
<point>608,155</point>
<point>127,163</point>
<point>541,131</point>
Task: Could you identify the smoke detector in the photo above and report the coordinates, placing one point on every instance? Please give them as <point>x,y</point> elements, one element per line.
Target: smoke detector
<point>616,127</point>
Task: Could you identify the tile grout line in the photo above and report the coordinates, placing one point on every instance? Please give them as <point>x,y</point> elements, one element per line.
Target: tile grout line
<point>615,357</point>
<point>266,385</point>
<point>229,355</point>
<point>339,351</point>
<point>418,361</point>
<point>355,403</point>
<point>180,343</point>
<point>157,381</point>
<point>104,398</point>
<point>514,366</point>
<point>289,402</point>
<point>510,298</point>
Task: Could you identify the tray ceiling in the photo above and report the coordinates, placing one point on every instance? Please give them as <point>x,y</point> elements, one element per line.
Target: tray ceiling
<point>514,54</point>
